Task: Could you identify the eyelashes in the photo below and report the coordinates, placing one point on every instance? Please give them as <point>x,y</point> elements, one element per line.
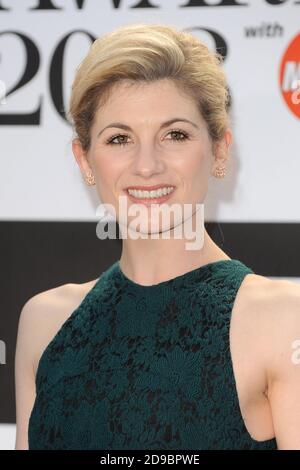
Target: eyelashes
<point>185,136</point>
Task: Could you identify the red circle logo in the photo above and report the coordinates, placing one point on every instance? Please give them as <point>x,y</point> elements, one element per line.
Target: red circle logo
<point>289,76</point>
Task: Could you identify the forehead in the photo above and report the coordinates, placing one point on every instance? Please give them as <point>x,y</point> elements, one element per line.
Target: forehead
<point>161,97</point>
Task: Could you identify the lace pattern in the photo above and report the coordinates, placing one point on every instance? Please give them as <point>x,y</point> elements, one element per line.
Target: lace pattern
<point>144,367</point>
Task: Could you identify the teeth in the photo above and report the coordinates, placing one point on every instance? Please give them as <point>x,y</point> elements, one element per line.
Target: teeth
<point>151,194</point>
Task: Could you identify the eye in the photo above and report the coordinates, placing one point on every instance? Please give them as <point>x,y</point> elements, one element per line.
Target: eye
<point>177,132</point>
<point>184,136</point>
<point>110,141</point>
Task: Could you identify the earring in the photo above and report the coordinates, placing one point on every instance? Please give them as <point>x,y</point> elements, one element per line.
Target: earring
<point>219,172</point>
<point>90,179</point>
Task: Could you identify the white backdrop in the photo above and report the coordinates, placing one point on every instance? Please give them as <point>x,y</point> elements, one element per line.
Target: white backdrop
<point>262,183</point>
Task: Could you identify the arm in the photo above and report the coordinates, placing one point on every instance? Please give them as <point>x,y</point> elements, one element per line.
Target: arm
<point>40,319</point>
<point>284,365</point>
<point>24,372</point>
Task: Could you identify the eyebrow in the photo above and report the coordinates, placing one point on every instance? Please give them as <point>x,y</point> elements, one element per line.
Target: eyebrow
<point>164,124</point>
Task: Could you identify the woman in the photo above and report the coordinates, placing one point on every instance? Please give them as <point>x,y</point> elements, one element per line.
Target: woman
<point>141,357</point>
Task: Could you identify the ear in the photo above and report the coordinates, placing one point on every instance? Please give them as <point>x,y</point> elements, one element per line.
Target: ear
<point>81,157</point>
<point>221,150</point>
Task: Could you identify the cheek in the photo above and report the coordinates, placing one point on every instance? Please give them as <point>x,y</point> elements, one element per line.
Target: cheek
<point>194,165</point>
<point>107,170</point>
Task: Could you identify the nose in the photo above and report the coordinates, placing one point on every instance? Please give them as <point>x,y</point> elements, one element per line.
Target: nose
<point>147,161</point>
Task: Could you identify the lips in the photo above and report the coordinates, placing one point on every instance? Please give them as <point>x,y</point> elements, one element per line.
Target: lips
<point>148,201</point>
<point>150,188</point>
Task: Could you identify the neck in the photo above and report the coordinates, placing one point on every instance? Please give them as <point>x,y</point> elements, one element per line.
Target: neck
<point>150,261</point>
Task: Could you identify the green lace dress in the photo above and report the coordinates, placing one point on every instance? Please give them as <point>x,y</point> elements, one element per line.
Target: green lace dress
<point>144,367</point>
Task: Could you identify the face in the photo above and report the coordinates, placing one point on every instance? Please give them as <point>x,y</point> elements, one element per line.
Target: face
<point>131,147</point>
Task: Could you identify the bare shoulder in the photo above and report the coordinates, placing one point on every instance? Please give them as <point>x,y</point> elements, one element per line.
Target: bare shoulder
<point>40,319</point>
<point>272,322</point>
<point>271,294</point>
<point>44,314</point>
<point>265,335</point>
<point>269,316</point>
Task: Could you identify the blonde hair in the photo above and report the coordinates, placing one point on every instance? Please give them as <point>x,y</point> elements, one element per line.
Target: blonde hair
<point>146,53</point>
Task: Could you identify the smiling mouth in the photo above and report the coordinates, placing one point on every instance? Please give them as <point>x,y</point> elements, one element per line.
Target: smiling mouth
<point>150,197</point>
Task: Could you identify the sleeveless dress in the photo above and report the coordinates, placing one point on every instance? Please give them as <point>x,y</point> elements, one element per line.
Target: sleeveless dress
<point>144,367</point>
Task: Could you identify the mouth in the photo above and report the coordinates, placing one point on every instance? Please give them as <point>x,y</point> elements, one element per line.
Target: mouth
<point>152,195</point>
